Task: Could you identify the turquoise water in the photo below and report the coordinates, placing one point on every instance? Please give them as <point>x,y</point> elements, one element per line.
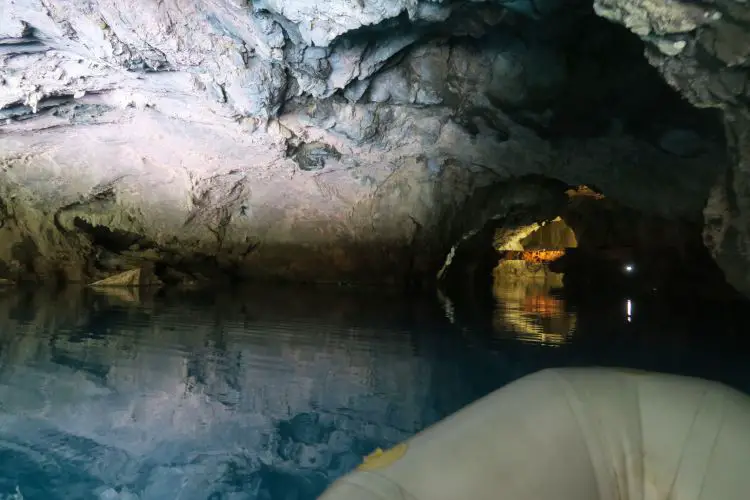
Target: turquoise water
<point>272,393</point>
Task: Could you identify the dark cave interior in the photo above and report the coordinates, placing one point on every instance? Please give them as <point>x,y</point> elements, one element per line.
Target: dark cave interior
<point>599,247</point>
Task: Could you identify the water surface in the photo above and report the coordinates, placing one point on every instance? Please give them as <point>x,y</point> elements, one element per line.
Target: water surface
<point>271,393</point>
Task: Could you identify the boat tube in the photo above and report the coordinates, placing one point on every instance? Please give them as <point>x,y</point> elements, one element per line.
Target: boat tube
<point>573,434</point>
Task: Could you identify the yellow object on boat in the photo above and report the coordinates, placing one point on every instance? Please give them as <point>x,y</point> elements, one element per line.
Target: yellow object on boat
<point>379,459</point>
<point>574,434</point>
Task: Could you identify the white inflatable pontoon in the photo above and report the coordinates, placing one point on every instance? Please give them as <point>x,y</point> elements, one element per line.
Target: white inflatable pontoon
<point>573,434</point>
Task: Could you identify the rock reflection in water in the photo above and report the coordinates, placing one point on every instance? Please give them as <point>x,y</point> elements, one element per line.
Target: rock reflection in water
<point>525,308</point>
<point>118,397</point>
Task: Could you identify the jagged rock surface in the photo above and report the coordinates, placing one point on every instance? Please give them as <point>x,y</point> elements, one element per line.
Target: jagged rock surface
<point>325,141</point>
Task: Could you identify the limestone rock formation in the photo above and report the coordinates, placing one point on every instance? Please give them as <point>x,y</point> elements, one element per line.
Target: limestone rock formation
<point>339,140</point>
<point>134,278</point>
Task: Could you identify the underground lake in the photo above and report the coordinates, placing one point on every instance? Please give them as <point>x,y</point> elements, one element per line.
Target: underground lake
<point>249,247</point>
<point>273,392</point>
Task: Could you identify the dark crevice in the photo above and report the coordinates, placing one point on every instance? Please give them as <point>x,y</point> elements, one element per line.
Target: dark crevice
<point>176,269</point>
<point>64,105</point>
<point>25,253</point>
<point>366,34</point>
<point>609,79</point>
<point>21,46</point>
<point>112,240</point>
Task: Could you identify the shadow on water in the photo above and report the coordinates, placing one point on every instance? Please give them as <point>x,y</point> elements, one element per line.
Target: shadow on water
<point>271,393</point>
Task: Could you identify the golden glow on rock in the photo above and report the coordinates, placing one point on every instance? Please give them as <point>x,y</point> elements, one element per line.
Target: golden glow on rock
<point>584,190</point>
<point>534,256</point>
<point>526,309</point>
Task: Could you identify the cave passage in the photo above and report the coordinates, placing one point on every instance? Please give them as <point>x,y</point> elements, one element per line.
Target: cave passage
<point>573,176</point>
<point>588,249</point>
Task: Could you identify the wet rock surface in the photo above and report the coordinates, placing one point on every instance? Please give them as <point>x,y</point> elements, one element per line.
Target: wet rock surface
<point>339,142</point>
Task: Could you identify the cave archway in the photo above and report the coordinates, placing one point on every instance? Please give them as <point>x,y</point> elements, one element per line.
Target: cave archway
<point>554,245</point>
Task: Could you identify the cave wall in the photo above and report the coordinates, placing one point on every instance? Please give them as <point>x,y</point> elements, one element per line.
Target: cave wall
<point>273,140</point>
<point>702,49</point>
<point>555,235</point>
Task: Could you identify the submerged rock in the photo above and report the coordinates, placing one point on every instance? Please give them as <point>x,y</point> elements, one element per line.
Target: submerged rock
<point>132,278</point>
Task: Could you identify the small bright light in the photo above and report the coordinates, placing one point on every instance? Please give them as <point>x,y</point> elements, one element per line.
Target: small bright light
<point>629,310</point>
<point>629,268</point>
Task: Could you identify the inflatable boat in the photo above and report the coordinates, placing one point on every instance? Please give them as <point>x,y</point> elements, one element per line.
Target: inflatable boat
<point>573,434</point>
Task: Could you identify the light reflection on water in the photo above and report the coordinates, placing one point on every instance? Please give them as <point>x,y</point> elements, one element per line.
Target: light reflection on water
<point>272,393</point>
<point>526,309</point>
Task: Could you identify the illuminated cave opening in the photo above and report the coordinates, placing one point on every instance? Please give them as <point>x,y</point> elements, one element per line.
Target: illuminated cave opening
<point>525,253</point>
<point>599,245</point>
<point>524,284</point>
<point>562,247</point>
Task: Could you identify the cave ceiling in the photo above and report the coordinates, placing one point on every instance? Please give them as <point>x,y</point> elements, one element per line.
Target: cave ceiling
<point>342,140</point>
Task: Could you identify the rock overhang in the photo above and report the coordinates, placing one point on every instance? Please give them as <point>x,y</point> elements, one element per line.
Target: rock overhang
<point>222,130</point>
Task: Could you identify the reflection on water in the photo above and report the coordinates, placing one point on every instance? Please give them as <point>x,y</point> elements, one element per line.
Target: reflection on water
<point>270,396</point>
<point>525,307</point>
<point>273,393</point>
